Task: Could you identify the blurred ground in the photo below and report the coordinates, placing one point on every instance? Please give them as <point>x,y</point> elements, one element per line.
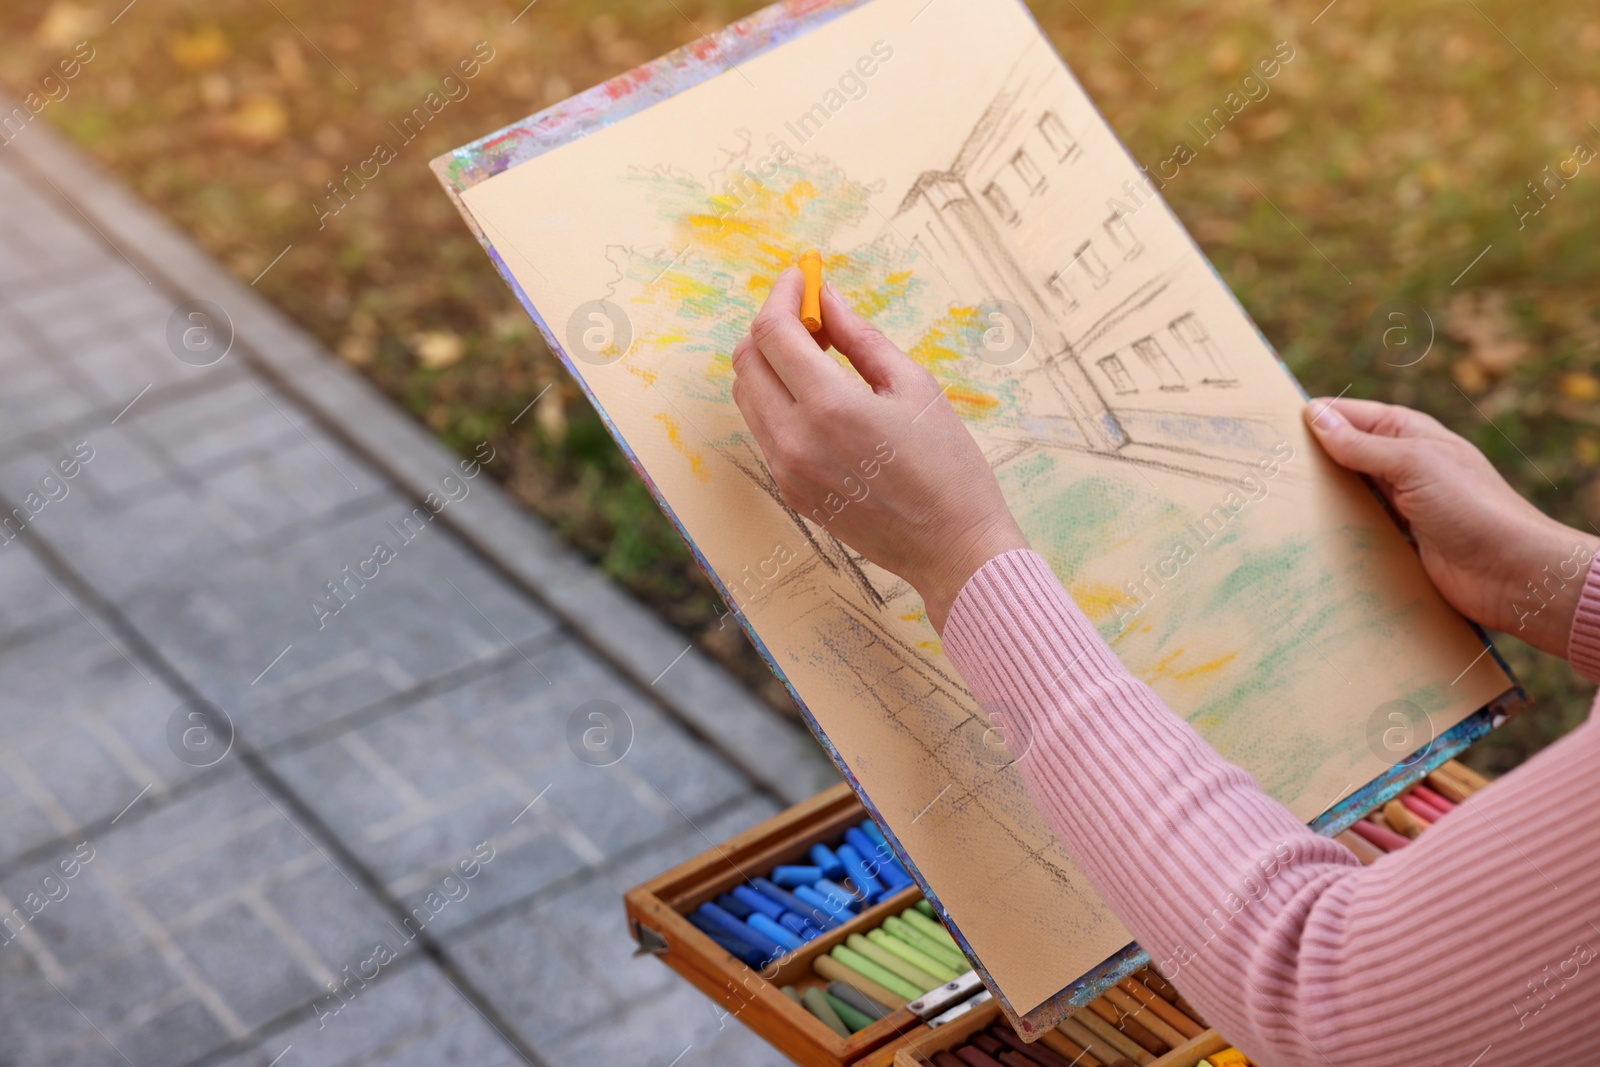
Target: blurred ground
<point>1392,161</point>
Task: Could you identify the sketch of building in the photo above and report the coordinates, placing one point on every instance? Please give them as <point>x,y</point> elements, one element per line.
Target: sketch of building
<point>1128,358</point>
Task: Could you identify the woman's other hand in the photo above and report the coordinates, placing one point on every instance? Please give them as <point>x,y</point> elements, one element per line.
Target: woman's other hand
<point>1493,555</point>
<point>881,461</point>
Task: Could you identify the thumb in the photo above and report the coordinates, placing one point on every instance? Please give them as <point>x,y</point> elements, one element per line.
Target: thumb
<point>1369,453</point>
<point>874,356</point>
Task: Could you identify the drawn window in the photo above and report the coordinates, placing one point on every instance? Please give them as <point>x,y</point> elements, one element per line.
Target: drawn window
<point>1057,284</point>
<point>938,242</point>
<point>1122,235</point>
<point>1121,380</point>
<point>1027,170</point>
<point>1001,203</point>
<point>1155,358</point>
<point>1055,134</point>
<point>1202,350</point>
<point>917,247</point>
<point>1092,263</point>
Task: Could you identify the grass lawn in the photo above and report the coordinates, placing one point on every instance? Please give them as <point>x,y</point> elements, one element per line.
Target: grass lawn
<point>1390,165</point>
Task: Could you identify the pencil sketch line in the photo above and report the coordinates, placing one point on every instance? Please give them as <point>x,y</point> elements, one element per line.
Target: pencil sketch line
<point>1502,433</point>
<point>1474,262</point>
<point>1298,230</point>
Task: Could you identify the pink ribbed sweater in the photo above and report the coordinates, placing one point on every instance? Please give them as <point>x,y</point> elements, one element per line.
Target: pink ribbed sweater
<point>1473,947</point>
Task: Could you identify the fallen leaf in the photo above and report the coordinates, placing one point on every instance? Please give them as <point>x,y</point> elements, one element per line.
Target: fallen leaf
<point>438,348</point>
<point>1481,323</point>
<point>357,350</point>
<point>260,119</point>
<point>64,25</point>
<point>551,415</point>
<point>1470,375</point>
<point>1579,385</point>
<point>203,49</point>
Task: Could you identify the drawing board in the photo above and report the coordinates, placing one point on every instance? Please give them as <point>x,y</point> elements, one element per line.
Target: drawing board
<point>971,201</point>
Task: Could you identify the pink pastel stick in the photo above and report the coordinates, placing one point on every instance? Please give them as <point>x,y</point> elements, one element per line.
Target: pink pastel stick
<point>1381,836</point>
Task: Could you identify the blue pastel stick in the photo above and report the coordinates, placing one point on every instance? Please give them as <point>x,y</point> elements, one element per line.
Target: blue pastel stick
<point>738,947</point>
<point>890,870</point>
<point>856,867</point>
<point>894,876</point>
<point>763,925</point>
<point>838,893</point>
<point>789,901</point>
<point>737,908</point>
<point>864,846</point>
<point>870,828</point>
<point>826,902</point>
<point>789,877</point>
<point>807,931</point>
<point>823,857</point>
<point>741,930</point>
<point>756,902</point>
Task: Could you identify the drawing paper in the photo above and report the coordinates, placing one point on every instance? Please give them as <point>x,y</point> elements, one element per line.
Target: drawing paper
<point>963,188</point>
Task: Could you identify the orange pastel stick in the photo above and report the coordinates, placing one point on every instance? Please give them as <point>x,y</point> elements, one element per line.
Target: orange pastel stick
<point>811,300</point>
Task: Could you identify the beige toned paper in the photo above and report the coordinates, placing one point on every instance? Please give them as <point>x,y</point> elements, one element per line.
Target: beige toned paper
<point>970,200</point>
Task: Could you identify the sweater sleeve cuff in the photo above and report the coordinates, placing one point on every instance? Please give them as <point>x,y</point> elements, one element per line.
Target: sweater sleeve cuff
<point>1583,646</point>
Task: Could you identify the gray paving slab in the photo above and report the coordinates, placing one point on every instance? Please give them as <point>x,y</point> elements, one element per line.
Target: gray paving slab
<point>451,745</point>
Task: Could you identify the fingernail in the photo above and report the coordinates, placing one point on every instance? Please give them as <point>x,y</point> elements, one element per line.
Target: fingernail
<point>1323,416</point>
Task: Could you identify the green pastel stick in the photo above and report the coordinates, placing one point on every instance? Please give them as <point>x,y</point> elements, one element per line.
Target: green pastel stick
<point>930,928</point>
<point>884,958</point>
<point>936,949</point>
<point>919,960</point>
<point>792,993</point>
<point>926,908</point>
<point>816,1002</point>
<point>870,970</point>
<point>847,1015</point>
<point>857,999</point>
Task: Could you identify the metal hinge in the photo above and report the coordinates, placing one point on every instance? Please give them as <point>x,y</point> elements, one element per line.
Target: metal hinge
<point>950,1001</point>
<point>650,942</point>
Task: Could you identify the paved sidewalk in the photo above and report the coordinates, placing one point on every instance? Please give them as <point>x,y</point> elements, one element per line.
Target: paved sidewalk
<point>402,814</point>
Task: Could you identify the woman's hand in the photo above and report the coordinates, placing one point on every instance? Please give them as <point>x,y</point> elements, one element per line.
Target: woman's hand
<point>881,461</point>
<point>1494,556</point>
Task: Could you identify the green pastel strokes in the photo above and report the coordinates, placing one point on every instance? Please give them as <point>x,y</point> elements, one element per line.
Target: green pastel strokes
<point>868,969</point>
